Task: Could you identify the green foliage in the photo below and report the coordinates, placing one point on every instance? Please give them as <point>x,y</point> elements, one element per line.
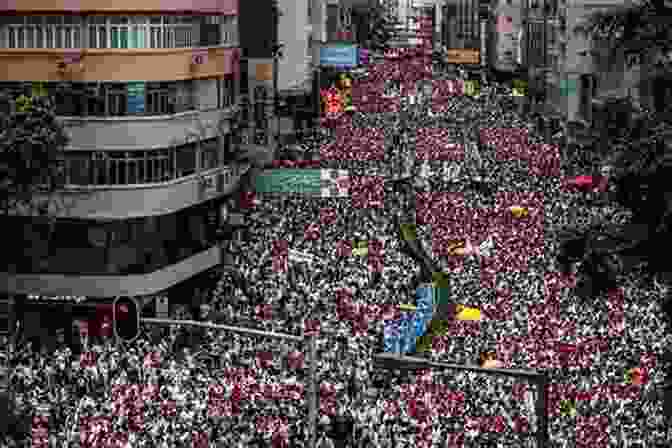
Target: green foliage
<point>634,28</point>
<point>31,149</point>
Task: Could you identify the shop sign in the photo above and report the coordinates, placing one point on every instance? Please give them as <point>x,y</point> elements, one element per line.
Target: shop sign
<point>463,56</point>
<point>264,72</point>
<point>338,56</point>
<point>67,299</point>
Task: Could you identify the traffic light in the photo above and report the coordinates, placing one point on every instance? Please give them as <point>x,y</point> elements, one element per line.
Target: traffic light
<point>126,318</point>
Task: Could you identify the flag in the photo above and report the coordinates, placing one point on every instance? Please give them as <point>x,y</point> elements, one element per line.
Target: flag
<point>519,212</point>
<point>407,332</point>
<point>466,313</point>
<point>334,183</point>
<point>391,332</point>
<point>424,297</point>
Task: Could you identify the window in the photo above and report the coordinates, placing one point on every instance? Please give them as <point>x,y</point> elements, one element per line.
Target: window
<point>117,99</point>
<point>95,100</point>
<point>158,99</point>
<point>226,92</point>
<point>209,154</point>
<point>183,32</point>
<point>155,32</point>
<point>78,168</point>
<point>99,168</point>
<point>587,90</point>
<point>185,157</point>
<point>117,166</point>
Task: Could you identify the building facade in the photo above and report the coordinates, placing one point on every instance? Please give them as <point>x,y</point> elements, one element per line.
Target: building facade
<point>148,93</point>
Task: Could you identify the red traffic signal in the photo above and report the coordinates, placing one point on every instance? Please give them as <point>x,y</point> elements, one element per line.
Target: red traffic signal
<point>126,318</point>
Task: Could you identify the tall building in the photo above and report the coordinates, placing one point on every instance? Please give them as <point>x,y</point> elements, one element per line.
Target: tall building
<point>148,93</point>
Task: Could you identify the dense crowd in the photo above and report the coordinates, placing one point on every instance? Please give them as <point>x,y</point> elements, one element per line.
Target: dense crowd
<point>235,390</point>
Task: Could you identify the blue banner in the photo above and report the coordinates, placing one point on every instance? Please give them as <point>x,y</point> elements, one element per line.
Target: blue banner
<point>391,340</point>
<point>339,56</point>
<point>424,297</point>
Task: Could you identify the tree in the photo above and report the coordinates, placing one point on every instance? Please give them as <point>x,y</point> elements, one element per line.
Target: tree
<point>31,150</point>
<point>634,28</point>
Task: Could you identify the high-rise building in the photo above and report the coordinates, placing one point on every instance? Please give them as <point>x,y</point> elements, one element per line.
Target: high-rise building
<point>148,93</point>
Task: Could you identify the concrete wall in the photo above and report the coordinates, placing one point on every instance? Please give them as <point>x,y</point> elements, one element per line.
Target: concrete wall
<point>129,133</point>
<point>205,93</point>
<point>134,201</point>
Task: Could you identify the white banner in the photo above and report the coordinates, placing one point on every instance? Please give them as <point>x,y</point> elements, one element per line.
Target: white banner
<point>300,257</point>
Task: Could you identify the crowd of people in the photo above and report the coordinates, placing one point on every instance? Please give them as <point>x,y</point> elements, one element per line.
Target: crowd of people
<point>234,390</point>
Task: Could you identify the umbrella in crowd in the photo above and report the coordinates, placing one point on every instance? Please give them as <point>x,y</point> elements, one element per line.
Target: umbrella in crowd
<point>234,391</point>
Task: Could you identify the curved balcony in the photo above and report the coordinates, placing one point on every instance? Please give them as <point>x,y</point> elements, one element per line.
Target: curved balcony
<point>140,133</point>
<point>227,7</point>
<point>143,200</point>
<point>171,64</point>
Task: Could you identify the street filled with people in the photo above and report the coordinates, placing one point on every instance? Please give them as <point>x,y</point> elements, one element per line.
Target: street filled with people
<point>602,356</point>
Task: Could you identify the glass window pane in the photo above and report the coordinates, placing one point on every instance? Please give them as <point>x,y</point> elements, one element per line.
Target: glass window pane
<point>150,167</point>
<point>132,170</point>
<point>142,164</point>
<point>54,20</point>
<point>68,38</point>
<point>113,172</point>
<point>186,160</point>
<point>11,39</point>
<point>39,38</point>
<point>78,168</point>
<point>155,37</point>
<point>59,37</point>
<point>155,20</point>
<point>49,37</point>
<point>93,38</point>
<point>20,42</point>
<point>114,37</point>
<point>76,41</point>
<point>102,38</point>
<point>30,34</point>
<point>123,38</point>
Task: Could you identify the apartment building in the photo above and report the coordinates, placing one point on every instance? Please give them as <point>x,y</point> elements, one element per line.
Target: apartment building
<point>148,93</point>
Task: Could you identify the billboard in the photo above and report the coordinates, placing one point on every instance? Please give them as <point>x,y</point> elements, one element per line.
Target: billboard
<point>338,55</point>
<point>464,56</point>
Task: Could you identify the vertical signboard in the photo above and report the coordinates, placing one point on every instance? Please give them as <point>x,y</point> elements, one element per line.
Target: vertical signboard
<point>136,97</point>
